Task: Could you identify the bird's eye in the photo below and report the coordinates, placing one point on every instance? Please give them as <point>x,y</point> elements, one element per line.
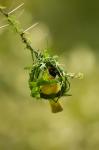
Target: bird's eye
<point>52,71</point>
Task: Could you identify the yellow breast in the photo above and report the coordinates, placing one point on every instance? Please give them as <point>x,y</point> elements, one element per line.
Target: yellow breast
<point>51,89</point>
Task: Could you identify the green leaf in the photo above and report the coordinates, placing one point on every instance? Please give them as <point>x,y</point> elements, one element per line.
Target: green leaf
<point>45,54</point>
<point>35,92</point>
<point>41,82</point>
<point>33,84</point>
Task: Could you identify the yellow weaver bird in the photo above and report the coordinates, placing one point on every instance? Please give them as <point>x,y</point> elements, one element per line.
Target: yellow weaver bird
<point>50,89</point>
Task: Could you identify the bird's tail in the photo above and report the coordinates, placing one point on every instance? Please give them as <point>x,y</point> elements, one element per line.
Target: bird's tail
<point>55,106</point>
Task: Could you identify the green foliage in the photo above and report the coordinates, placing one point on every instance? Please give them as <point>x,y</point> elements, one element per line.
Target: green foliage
<point>39,76</point>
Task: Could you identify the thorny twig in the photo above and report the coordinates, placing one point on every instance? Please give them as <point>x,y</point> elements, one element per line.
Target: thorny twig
<point>19,30</point>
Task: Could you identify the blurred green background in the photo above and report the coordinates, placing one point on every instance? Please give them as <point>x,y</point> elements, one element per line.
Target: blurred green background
<point>70,29</point>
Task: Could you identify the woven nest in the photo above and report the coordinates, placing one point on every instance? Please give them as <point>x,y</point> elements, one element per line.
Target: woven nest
<point>39,77</point>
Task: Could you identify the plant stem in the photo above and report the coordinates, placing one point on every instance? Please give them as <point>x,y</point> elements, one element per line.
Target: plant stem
<point>16,25</point>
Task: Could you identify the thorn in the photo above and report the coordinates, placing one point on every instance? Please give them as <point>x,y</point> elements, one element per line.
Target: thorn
<point>4,26</point>
<point>30,27</point>
<point>15,9</point>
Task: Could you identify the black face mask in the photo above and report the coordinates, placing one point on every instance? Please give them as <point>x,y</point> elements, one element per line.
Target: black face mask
<point>52,71</point>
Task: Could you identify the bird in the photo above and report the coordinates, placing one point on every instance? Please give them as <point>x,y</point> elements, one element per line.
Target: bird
<point>52,89</point>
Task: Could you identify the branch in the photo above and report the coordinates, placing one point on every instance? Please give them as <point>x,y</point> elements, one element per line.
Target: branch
<point>17,27</point>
